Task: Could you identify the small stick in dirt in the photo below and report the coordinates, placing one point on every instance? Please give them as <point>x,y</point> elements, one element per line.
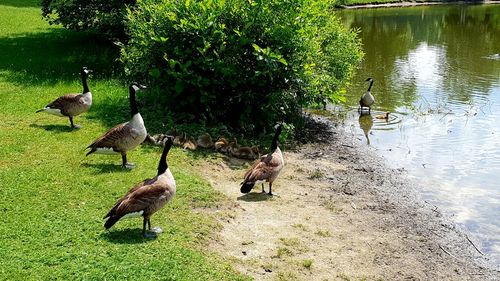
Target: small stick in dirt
<point>466,236</point>
<point>444,250</point>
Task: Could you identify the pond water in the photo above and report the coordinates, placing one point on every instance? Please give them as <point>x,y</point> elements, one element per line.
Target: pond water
<point>437,70</point>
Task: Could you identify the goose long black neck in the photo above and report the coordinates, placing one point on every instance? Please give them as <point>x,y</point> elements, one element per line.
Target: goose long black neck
<point>84,82</point>
<point>163,165</point>
<point>133,102</point>
<point>371,84</point>
<point>274,144</point>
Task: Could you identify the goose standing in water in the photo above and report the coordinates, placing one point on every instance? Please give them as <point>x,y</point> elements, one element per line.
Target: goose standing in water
<point>367,100</point>
<point>146,197</point>
<point>265,169</point>
<point>123,137</point>
<point>71,105</point>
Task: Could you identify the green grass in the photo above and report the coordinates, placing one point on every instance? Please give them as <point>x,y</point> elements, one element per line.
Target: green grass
<point>307,263</point>
<point>54,198</point>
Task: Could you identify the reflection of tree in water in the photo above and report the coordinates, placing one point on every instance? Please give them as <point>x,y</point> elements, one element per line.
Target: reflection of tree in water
<point>474,35</point>
<point>460,36</point>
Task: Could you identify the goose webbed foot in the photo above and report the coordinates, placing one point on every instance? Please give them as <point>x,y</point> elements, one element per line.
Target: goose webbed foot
<point>270,193</point>
<point>156,230</point>
<point>73,125</point>
<point>125,163</point>
<point>150,235</point>
<point>153,233</point>
<point>129,166</point>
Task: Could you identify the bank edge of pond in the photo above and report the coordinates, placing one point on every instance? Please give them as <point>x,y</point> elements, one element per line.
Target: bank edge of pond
<point>377,4</point>
<point>435,234</point>
<point>344,210</point>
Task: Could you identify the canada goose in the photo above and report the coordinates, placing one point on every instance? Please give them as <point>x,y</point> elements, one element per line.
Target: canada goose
<point>383,116</point>
<point>367,99</point>
<point>146,197</point>
<point>189,143</point>
<point>71,105</point>
<point>267,168</point>
<point>221,144</point>
<point>229,147</point>
<point>205,141</point>
<point>123,137</point>
<point>245,152</point>
<point>180,139</point>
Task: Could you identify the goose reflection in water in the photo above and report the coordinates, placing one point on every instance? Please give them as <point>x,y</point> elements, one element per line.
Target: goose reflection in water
<point>366,124</point>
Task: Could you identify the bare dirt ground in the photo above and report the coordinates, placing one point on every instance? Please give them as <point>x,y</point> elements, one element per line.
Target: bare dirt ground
<point>340,214</point>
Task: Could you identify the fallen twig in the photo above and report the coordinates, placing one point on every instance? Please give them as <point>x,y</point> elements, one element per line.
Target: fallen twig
<point>466,236</point>
<point>444,250</point>
<point>450,111</point>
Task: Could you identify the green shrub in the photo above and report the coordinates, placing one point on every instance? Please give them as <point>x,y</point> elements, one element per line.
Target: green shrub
<point>244,63</point>
<point>104,16</point>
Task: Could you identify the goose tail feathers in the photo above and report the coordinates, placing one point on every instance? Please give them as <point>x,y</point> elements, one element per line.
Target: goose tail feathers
<point>111,221</point>
<point>90,152</point>
<point>246,187</point>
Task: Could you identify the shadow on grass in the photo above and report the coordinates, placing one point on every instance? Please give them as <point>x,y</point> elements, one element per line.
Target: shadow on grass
<point>106,167</point>
<point>56,55</point>
<point>54,128</point>
<point>125,236</point>
<point>255,197</point>
<point>22,3</point>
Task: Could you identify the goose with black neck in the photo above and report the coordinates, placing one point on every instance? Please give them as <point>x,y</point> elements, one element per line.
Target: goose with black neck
<point>265,169</point>
<point>71,105</point>
<point>124,137</point>
<point>146,197</point>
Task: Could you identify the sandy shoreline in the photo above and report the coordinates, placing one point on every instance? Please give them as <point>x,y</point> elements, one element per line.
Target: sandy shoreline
<point>341,214</point>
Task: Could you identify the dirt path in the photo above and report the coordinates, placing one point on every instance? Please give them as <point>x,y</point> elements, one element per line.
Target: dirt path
<point>340,215</point>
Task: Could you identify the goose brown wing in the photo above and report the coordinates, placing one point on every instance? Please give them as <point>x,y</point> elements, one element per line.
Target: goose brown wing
<point>262,169</point>
<point>63,101</point>
<point>134,188</point>
<point>255,164</point>
<point>143,198</point>
<point>110,137</point>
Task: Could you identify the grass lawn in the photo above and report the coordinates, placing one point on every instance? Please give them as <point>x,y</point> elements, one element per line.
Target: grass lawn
<point>54,198</point>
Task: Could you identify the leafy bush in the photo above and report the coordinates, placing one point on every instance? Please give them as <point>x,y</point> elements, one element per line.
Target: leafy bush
<point>244,63</point>
<point>105,16</point>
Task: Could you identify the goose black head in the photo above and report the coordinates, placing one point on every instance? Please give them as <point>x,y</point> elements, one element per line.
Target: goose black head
<point>369,79</point>
<point>136,86</point>
<point>85,71</point>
